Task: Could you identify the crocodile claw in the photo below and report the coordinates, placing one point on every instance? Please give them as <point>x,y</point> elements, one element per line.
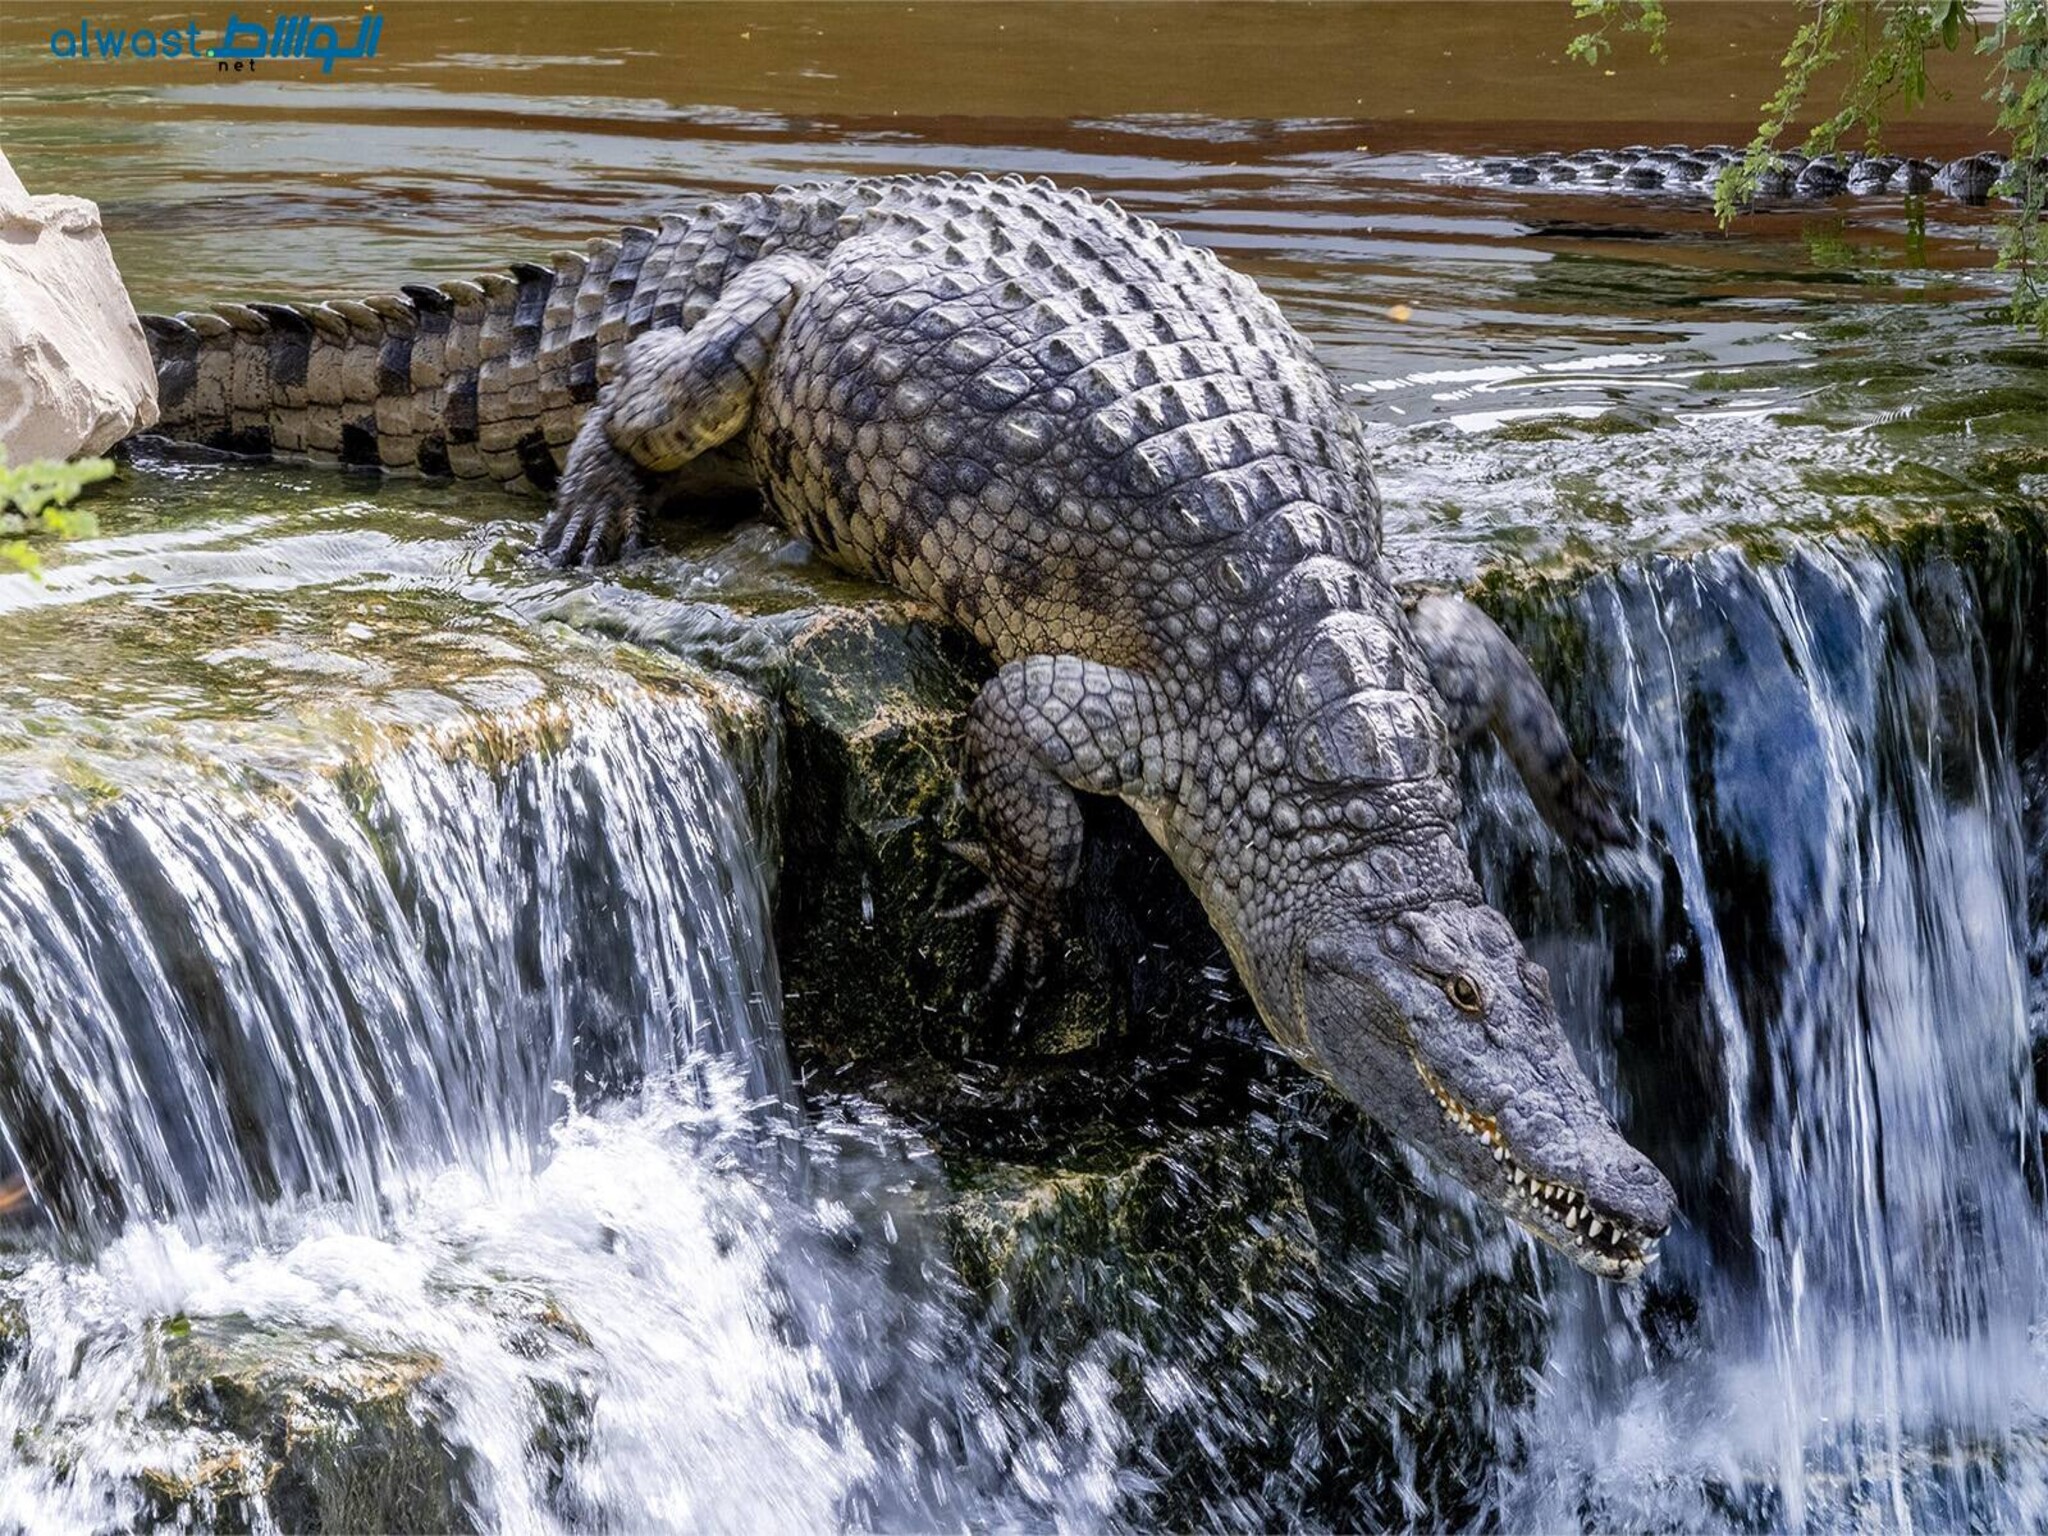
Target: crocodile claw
<point>988,896</point>
<point>972,853</point>
<point>1020,935</point>
<point>601,505</point>
<point>1017,938</point>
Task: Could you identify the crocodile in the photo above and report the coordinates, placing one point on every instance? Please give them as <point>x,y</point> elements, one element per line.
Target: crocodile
<point>1679,168</point>
<point>1112,460</point>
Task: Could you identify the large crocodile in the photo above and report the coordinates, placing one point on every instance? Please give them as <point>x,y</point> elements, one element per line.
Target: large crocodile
<point>1110,458</point>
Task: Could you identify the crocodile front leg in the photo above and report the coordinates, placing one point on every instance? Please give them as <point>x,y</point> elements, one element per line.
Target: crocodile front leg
<point>1487,684</point>
<point>1044,727</point>
<point>677,394</point>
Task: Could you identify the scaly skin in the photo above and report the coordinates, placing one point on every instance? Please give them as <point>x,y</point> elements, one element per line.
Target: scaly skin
<point>1675,167</point>
<point>1112,460</point>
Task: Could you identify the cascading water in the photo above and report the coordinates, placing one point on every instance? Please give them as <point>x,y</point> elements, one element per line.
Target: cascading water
<point>310,1046</point>
<point>300,1066</point>
<point>211,1001</point>
<point>1816,1006</point>
<point>455,1084</point>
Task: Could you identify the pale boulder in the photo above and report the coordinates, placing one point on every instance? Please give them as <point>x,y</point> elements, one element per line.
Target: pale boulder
<point>75,374</point>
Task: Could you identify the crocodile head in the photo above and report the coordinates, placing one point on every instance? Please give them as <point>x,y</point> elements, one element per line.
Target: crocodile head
<point>1439,1026</point>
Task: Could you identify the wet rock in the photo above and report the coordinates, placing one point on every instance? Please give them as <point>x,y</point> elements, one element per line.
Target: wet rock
<point>872,701</point>
<point>75,374</point>
<point>881,995</point>
<point>307,1433</point>
<point>1276,1280</point>
<point>268,1426</point>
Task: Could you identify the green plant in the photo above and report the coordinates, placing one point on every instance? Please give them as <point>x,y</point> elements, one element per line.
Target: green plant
<point>33,499</point>
<point>1644,16</point>
<point>1884,45</point>
<point>2019,42</point>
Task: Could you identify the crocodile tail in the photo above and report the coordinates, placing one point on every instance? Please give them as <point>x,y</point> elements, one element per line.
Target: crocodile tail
<point>483,379</point>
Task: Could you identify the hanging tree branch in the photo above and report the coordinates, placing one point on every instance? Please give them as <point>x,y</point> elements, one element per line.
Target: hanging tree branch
<point>1886,44</point>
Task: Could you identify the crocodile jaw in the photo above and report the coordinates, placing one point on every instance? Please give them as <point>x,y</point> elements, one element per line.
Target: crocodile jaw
<point>1551,1210</point>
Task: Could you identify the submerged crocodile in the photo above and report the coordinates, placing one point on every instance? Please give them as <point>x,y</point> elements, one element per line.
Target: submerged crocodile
<point>1676,167</point>
<point>1110,458</point>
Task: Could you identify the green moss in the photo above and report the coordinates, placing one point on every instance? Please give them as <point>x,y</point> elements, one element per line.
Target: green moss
<point>2030,405</point>
<point>1250,1285</point>
<point>2003,469</point>
<point>1508,588</point>
<point>1617,422</point>
<point>333,1435</point>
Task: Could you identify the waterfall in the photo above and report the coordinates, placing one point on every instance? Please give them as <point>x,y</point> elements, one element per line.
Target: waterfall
<point>211,1002</point>
<point>458,1072</point>
<point>1813,1003</point>
<point>309,1063</point>
<point>450,1089</point>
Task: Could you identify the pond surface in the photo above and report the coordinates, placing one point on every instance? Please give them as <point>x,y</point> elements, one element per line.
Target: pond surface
<point>1589,372</point>
<point>1819,1010</point>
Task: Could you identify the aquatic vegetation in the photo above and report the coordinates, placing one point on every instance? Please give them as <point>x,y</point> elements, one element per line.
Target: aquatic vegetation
<point>34,499</point>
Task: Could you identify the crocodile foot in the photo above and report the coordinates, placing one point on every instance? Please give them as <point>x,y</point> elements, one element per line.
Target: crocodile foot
<point>1487,686</point>
<point>1022,931</point>
<point>602,504</point>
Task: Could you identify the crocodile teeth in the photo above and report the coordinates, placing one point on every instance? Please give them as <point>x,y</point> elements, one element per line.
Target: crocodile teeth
<point>1559,1203</point>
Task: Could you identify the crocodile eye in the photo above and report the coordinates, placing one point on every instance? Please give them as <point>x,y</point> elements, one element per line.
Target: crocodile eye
<point>1464,994</point>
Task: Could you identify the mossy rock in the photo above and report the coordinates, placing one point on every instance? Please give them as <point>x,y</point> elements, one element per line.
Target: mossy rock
<point>321,1432</point>
<point>873,705</point>
<point>1259,1283</point>
<point>883,996</point>
<point>313,1430</point>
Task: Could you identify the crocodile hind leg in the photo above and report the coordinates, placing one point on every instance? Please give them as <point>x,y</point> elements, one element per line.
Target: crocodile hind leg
<point>1487,685</point>
<point>1043,728</point>
<point>677,394</point>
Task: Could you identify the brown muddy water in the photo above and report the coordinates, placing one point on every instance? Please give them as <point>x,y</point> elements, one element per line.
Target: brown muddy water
<point>1310,144</point>
<point>1819,1008</point>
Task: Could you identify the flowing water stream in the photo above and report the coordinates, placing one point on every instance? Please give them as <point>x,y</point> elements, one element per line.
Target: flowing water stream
<point>1828,752</point>
<point>390,1024</point>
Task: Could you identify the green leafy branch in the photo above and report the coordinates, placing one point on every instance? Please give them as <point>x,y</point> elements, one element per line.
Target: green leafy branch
<point>33,500</point>
<point>2019,42</point>
<point>1891,67</point>
<point>1644,16</point>
<point>1886,44</point>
